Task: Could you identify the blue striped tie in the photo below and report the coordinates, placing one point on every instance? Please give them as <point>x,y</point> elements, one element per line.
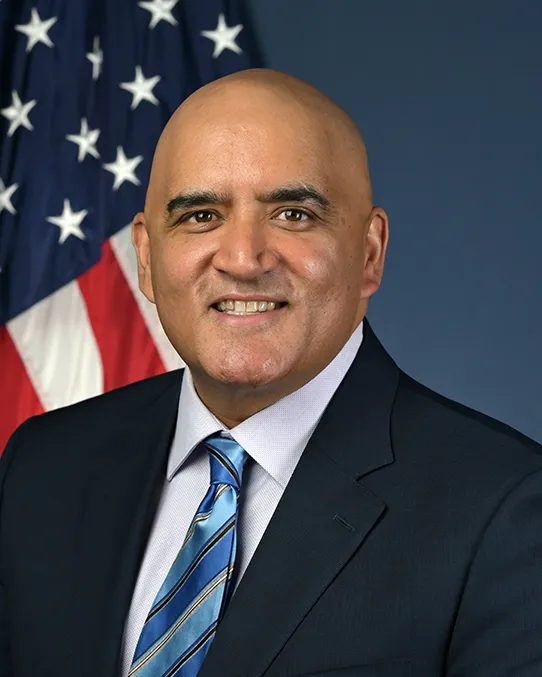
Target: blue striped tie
<point>183,619</point>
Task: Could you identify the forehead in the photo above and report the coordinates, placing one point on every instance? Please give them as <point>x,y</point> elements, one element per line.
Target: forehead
<point>250,153</point>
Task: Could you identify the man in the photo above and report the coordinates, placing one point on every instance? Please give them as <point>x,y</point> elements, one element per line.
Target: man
<point>292,503</point>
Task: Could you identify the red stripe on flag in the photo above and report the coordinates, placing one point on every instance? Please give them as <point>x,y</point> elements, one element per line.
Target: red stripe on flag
<point>18,399</point>
<point>127,349</point>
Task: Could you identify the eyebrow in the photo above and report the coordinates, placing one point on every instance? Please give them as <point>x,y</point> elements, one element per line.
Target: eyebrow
<point>194,199</point>
<point>295,193</point>
<point>300,193</point>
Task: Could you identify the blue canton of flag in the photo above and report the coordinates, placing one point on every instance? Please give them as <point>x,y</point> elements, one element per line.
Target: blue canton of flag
<point>85,89</point>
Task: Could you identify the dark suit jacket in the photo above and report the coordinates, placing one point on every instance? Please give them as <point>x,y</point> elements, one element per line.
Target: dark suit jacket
<point>408,541</point>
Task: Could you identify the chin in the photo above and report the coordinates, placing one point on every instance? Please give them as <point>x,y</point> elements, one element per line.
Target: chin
<point>246,373</point>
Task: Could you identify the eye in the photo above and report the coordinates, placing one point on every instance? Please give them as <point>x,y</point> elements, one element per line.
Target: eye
<point>294,215</point>
<point>200,217</point>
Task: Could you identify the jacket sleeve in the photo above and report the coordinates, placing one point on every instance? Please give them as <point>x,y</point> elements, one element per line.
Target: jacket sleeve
<point>6,669</point>
<point>5,661</point>
<point>498,628</point>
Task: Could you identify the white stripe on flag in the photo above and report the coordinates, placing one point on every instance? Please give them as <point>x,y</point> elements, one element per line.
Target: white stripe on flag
<point>58,348</point>
<point>121,243</point>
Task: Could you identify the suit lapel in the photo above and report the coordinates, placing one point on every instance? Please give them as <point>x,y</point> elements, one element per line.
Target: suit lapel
<point>303,549</point>
<point>118,509</point>
<point>323,517</point>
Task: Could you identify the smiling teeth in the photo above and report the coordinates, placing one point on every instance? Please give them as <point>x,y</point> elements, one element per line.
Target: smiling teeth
<point>245,307</point>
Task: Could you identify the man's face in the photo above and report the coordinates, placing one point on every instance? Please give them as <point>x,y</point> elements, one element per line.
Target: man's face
<point>252,206</point>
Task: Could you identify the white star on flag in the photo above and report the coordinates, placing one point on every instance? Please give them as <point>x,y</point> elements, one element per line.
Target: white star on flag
<point>5,197</point>
<point>141,88</point>
<point>37,30</point>
<point>96,58</point>
<point>18,113</point>
<point>160,10</point>
<point>124,169</point>
<point>86,140</point>
<point>224,37</point>
<point>69,222</point>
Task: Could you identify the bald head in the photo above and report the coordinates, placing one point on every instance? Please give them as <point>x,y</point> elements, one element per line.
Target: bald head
<point>259,196</point>
<point>266,102</point>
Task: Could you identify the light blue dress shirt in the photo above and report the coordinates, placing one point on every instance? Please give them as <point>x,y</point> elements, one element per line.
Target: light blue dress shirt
<point>274,439</point>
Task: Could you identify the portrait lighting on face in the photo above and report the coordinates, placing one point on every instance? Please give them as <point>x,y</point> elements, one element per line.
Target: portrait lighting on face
<point>242,210</point>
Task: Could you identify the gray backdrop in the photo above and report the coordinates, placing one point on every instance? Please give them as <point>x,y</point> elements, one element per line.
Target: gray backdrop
<point>449,98</point>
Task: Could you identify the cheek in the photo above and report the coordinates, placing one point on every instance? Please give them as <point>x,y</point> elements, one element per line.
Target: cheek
<point>173,285</point>
<point>320,268</point>
<point>170,268</point>
<point>332,275</point>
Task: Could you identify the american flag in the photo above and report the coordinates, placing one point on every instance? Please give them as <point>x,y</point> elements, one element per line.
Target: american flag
<point>86,87</point>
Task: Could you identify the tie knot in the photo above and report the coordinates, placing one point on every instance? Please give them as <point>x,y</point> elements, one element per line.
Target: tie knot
<point>227,459</point>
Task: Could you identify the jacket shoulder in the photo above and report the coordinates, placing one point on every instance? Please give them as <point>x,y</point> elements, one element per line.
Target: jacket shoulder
<point>88,419</point>
<point>456,433</point>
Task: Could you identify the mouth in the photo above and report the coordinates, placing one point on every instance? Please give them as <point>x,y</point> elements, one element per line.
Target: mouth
<point>243,313</point>
<point>242,308</point>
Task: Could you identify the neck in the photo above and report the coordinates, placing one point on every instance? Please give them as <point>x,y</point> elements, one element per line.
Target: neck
<point>232,404</point>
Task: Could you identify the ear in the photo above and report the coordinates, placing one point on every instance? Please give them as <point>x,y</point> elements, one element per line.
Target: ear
<point>142,244</point>
<point>376,243</point>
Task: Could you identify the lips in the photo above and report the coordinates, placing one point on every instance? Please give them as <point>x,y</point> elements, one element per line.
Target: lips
<point>232,318</point>
<point>258,298</point>
<point>247,306</point>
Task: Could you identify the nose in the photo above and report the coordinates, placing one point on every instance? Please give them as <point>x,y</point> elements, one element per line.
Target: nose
<point>244,250</point>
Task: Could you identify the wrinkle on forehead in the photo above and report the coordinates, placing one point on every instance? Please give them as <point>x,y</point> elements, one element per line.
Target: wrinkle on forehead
<point>273,103</point>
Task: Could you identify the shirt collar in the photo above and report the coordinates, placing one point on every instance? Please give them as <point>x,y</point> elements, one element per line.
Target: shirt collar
<point>274,437</point>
